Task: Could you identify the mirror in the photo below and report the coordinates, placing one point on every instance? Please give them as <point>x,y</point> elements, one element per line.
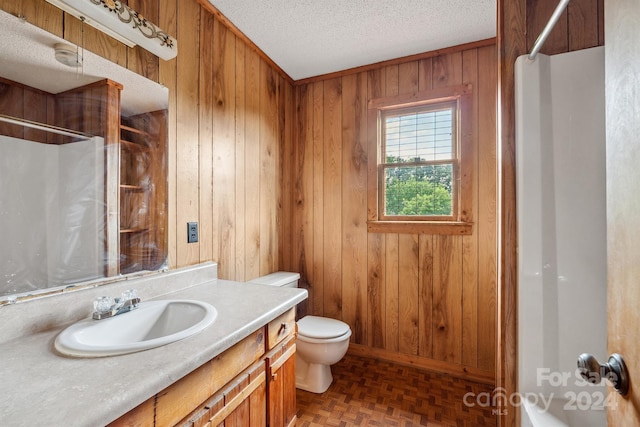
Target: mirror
<point>83,181</point>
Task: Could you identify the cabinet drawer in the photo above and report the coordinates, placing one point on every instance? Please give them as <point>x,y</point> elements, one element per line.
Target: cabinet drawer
<point>241,403</point>
<point>281,327</point>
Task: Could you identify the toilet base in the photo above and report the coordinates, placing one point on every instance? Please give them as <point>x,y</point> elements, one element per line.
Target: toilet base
<point>312,377</point>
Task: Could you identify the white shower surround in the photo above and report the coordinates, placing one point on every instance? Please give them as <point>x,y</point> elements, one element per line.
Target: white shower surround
<point>51,213</point>
<point>560,150</point>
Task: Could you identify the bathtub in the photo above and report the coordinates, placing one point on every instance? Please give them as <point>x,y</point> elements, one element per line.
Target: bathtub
<point>561,199</point>
<point>561,413</point>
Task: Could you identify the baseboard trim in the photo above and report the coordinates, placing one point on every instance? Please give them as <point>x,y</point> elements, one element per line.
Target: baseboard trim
<point>452,369</point>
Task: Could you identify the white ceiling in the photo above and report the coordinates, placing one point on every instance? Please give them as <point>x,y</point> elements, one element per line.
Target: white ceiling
<point>307,38</point>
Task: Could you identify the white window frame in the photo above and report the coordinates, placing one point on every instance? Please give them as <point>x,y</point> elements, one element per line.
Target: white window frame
<point>461,219</point>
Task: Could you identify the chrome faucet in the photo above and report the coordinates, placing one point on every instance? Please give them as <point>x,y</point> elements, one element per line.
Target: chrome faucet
<point>104,307</point>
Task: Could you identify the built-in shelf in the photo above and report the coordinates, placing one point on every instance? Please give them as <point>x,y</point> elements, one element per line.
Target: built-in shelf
<point>133,230</point>
<point>129,187</point>
<point>142,191</point>
<point>135,198</point>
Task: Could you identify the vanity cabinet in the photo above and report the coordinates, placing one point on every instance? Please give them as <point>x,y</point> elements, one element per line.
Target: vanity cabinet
<point>251,384</point>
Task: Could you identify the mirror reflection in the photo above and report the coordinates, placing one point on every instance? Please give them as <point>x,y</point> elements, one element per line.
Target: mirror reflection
<point>82,166</point>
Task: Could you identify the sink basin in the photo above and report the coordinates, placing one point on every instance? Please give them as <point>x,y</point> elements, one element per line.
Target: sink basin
<point>152,324</point>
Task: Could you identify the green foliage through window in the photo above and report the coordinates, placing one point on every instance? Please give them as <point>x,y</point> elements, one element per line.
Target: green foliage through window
<point>418,190</point>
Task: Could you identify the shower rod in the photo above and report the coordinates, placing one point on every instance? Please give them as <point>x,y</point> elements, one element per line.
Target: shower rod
<point>44,127</point>
<point>547,29</point>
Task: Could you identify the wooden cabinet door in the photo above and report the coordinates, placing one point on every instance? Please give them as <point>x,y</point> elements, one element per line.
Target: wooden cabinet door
<point>281,392</point>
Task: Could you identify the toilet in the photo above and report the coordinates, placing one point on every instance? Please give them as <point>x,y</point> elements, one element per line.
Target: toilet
<point>321,341</point>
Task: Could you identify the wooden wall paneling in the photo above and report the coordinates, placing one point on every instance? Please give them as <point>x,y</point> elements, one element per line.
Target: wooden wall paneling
<point>447,70</point>
<point>600,22</point>
<point>303,232</point>
<point>287,177</point>
<point>425,296</point>
<point>512,42</point>
<point>487,213</point>
<point>37,12</point>
<point>91,101</point>
<point>447,299</point>
<point>140,60</point>
<point>425,74</point>
<point>168,76</point>
<point>537,16</point>
<point>35,109</point>
<point>408,77</point>
<point>187,89</point>
<point>51,117</point>
<point>333,206</point>
<point>376,319</point>
<point>224,131</point>
<point>354,198</point>
<point>11,104</point>
<point>375,89</point>
<point>580,26</point>
<point>317,199</point>
<point>391,80</point>
<point>87,37</point>
<point>268,164</point>
<point>376,248</point>
<point>470,243</point>
<point>583,28</point>
<point>241,154</point>
<point>252,165</point>
<point>206,162</point>
<point>279,170</point>
<point>392,292</point>
<point>408,293</point>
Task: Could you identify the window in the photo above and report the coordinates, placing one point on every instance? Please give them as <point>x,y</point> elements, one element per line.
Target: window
<point>419,162</point>
<point>420,182</point>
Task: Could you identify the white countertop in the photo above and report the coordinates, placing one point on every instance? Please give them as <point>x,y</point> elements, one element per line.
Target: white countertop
<point>39,386</point>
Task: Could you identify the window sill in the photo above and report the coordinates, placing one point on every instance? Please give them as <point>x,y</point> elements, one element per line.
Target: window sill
<point>421,227</point>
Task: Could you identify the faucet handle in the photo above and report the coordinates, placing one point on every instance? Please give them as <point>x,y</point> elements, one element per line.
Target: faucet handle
<point>129,294</point>
<point>102,304</point>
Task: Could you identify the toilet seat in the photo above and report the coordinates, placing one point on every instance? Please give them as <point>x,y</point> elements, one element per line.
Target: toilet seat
<point>321,328</point>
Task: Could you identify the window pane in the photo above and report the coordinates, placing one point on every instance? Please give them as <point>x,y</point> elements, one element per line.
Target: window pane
<point>419,190</point>
<point>419,136</point>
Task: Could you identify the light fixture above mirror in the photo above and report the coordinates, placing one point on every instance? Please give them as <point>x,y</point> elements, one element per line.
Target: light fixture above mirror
<point>119,21</point>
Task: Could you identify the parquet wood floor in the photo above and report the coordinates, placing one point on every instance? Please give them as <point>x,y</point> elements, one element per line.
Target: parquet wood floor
<point>367,392</point>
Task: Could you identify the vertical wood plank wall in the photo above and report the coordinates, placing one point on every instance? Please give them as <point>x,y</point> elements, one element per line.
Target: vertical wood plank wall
<point>519,23</point>
<point>425,299</point>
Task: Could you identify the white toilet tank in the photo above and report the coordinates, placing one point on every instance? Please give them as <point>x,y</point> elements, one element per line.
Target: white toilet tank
<point>282,279</point>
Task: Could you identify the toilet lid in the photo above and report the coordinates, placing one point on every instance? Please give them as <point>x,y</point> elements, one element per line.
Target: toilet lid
<point>321,327</point>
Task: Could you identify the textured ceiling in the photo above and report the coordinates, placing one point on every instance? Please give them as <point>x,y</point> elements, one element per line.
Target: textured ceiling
<point>308,38</point>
